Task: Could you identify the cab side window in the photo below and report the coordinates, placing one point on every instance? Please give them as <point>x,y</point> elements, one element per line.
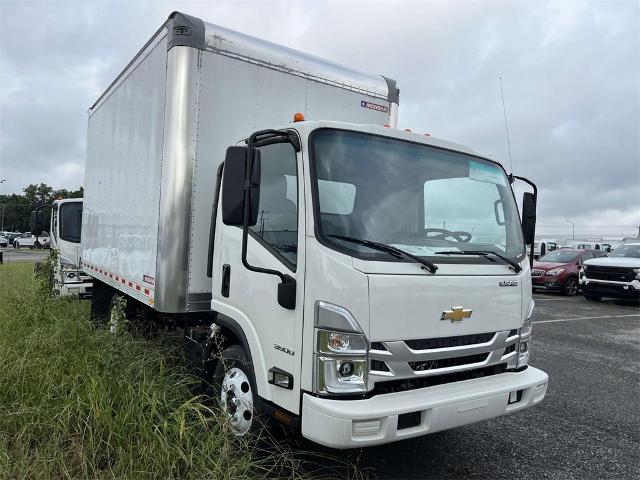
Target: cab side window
<point>277,224</point>
<point>54,223</point>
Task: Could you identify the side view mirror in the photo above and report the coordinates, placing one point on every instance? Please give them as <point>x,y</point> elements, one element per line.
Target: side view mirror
<point>528,217</point>
<point>37,222</point>
<point>233,186</point>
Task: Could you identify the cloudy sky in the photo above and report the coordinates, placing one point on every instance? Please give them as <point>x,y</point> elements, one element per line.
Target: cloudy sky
<point>571,74</point>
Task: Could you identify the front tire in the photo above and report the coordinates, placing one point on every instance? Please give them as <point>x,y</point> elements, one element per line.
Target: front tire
<point>234,390</point>
<point>117,313</point>
<point>100,302</point>
<point>570,288</point>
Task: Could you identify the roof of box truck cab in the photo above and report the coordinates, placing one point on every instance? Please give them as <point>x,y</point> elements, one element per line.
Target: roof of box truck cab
<point>307,126</point>
<point>185,30</point>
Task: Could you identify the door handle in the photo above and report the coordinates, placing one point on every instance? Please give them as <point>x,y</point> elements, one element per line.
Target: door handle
<point>226,280</point>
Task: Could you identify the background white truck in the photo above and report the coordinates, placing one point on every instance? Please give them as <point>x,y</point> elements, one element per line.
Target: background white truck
<point>64,220</point>
<point>66,230</point>
<point>308,263</point>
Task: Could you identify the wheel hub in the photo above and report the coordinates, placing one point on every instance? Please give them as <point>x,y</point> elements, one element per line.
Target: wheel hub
<point>236,399</point>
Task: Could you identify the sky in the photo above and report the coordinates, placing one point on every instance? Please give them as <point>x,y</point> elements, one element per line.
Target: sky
<point>570,72</point>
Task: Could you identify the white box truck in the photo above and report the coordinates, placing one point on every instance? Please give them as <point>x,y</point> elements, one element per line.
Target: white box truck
<point>358,283</point>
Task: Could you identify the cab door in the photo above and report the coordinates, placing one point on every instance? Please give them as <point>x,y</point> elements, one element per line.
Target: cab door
<point>276,242</point>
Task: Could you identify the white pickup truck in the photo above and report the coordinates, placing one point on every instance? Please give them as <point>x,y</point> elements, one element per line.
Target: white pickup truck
<point>617,275</point>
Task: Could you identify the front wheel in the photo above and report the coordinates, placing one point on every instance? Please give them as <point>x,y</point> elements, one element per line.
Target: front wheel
<point>234,390</point>
<point>117,313</point>
<point>570,288</point>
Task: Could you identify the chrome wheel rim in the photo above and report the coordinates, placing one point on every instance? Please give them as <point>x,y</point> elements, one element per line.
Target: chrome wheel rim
<point>236,399</point>
<point>114,318</point>
<point>572,287</point>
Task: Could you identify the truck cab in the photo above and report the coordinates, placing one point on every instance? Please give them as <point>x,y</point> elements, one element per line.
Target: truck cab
<point>382,281</point>
<point>66,228</point>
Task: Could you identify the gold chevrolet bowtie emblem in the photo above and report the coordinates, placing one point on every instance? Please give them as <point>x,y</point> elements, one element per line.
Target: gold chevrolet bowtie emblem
<point>456,314</point>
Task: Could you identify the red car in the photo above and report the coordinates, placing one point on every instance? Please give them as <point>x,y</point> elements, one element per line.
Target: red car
<point>557,271</point>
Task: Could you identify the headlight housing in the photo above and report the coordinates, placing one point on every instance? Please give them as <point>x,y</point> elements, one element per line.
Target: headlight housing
<point>526,330</point>
<point>341,350</point>
<point>555,271</point>
<point>67,265</point>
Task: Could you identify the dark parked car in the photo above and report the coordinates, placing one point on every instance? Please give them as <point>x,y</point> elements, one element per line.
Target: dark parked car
<point>557,271</point>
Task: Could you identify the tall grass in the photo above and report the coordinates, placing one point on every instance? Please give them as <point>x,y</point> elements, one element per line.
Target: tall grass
<point>76,401</point>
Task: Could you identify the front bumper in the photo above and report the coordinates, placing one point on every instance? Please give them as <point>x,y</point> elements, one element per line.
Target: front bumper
<point>551,284</point>
<point>82,289</point>
<point>374,421</point>
<point>610,289</point>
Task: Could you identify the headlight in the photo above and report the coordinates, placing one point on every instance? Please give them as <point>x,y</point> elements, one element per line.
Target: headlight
<point>555,271</point>
<point>341,363</point>
<point>524,343</point>
<point>67,265</point>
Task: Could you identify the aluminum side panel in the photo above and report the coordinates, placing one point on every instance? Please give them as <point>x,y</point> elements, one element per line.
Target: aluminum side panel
<point>122,175</point>
<point>175,216</point>
<point>293,62</point>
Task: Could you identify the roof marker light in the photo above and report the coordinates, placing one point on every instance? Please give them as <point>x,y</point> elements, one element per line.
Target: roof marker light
<point>298,117</point>
<point>386,125</point>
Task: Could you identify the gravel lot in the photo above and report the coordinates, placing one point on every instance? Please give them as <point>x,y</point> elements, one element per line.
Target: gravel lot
<point>588,426</point>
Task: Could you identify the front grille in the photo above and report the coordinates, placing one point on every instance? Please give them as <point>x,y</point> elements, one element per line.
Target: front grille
<point>393,386</point>
<point>409,360</point>
<point>446,342</point>
<point>536,272</point>
<point>615,274</point>
<point>448,362</point>
<point>378,366</point>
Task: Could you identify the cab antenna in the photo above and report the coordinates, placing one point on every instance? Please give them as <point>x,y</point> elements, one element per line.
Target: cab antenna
<point>506,126</point>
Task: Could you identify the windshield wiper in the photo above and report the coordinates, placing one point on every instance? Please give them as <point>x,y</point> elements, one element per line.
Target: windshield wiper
<point>515,265</point>
<point>393,251</point>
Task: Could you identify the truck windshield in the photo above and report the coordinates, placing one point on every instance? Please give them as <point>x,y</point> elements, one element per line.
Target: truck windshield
<point>631,251</point>
<point>71,221</point>
<point>425,200</point>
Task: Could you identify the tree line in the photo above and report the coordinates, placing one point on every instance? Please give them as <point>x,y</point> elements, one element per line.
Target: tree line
<point>15,209</point>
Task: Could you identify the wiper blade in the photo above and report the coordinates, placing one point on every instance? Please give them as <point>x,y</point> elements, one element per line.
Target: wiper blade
<point>393,251</point>
<point>517,268</point>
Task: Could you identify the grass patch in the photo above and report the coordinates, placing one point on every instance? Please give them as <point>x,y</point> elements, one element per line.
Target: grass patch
<point>76,401</point>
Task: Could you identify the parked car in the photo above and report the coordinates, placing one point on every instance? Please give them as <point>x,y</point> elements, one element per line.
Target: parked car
<point>10,236</point>
<point>557,271</point>
<point>4,241</point>
<point>30,241</point>
<point>617,275</point>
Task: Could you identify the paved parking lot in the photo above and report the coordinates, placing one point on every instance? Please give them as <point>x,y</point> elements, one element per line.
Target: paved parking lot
<point>588,426</point>
<point>10,254</point>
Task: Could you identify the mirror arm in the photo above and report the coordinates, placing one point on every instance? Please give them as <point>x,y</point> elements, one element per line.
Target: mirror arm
<point>535,199</point>
<point>285,279</point>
